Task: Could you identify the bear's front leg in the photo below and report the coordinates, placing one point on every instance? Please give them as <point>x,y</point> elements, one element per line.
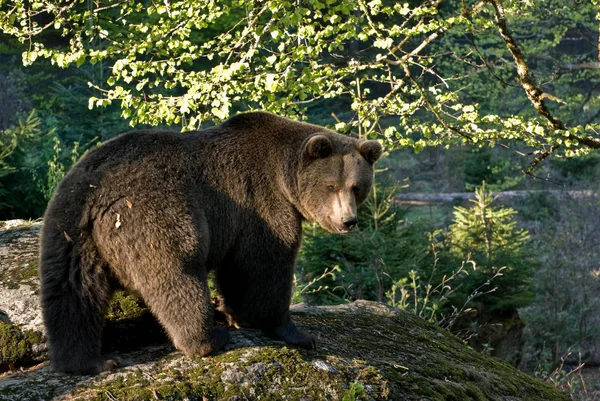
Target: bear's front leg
<point>256,286</point>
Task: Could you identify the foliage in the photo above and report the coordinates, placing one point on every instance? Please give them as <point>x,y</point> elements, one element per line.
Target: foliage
<point>489,234</point>
<point>38,148</point>
<point>18,145</point>
<point>537,209</point>
<point>469,278</point>
<point>11,138</point>
<point>391,256</point>
<point>431,299</point>
<point>356,389</point>
<point>417,74</point>
<point>32,163</point>
<point>484,229</point>
<point>69,113</point>
<point>567,379</point>
<point>12,97</point>
<point>56,169</point>
<point>584,169</point>
<point>408,293</point>
<point>302,290</point>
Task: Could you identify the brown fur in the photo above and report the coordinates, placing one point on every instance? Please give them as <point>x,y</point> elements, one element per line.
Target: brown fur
<point>155,210</point>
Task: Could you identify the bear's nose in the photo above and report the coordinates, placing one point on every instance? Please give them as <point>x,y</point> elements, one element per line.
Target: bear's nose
<point>350,222</point>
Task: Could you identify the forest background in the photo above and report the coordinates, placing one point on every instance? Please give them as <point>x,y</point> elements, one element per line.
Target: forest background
<point>481,97</point>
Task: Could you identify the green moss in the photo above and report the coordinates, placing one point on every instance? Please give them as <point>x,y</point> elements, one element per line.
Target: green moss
<point>132,387</point>
<point>291,365</point>
<point>268,373</point>
<point>125,306</point>
<point>34,337</point>
<point>14,277</point>
<point>29,271</point>
<point>129,325</point>
<point>170,384</point>
<point>15,346</point>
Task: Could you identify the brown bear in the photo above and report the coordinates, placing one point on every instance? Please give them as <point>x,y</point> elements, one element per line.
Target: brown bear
<point>154,211</point>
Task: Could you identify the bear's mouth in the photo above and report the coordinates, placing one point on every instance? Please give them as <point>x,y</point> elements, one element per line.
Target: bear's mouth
<point>340,230</point>
<point>333,228</point>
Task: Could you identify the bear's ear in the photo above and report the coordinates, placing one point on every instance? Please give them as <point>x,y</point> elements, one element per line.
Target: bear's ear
<point>318,146</point>
<point>370,150</point>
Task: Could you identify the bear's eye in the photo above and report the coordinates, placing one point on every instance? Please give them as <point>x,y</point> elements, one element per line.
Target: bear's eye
<point>331,188</point>
<point>355,189</point>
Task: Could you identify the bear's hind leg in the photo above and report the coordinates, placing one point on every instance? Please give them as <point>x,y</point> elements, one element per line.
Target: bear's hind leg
<point>181,303</point>
<point>74,296</point>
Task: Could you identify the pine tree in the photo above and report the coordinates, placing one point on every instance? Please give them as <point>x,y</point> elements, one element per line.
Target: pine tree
<point>485,230</point>
<point>489,234</point>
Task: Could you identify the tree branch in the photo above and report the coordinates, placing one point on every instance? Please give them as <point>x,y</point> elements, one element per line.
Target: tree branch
<point>543,155</point>
<point>534,93</point>
<point>432,37</point>
<point>431,106</point>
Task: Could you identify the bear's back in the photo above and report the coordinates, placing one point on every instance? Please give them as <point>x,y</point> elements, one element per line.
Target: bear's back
<point>248,158</point>
<point>128,147</point>
<point>252,135</point>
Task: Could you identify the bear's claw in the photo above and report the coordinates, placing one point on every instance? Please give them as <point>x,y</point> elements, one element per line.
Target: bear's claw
<point>291,335</point>
<point>219,337</point>
<point>110,364</point>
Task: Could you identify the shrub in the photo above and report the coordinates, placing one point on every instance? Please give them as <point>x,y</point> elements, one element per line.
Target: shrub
<point>21,147</point>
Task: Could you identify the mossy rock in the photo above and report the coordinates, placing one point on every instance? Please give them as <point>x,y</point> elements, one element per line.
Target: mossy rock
<point>366,351</point>
<point>17,347</point>
<point>21,333</point>
<point>19,282</point>
<point>19,253</point>
<point>124,306</point>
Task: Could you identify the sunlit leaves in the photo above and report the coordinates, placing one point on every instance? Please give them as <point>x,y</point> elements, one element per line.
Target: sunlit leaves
<point>413,74</point>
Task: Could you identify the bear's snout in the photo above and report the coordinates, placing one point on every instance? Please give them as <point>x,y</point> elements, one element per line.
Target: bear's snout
<point>350,222</point>
<point>347,224</point>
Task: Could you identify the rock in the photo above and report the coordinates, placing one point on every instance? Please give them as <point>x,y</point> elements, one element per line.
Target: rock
<point>19,274</point>
<point>21,328</point>
<point>366,350</point>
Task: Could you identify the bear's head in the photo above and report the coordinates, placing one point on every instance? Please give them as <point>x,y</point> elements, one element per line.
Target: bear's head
<point>335,177</point>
